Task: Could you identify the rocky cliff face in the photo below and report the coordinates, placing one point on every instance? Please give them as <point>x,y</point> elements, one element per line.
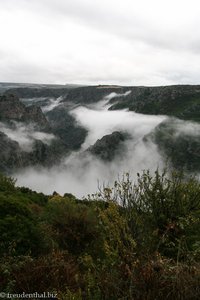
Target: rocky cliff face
<point>65,127</point>
<point>21,125</point>
<point>81,95</point>
<point>11,156</point>
<point>109,146</point>
<point>12,109</point>
<point>91,94</point>
<point>182,101</point>
<point>179,143</point>
<point>179,101</point>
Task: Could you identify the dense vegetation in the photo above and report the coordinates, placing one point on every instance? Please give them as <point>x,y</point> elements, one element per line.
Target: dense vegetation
<point>132,241</point>
<point>179,143</point>
<point>182,101</point>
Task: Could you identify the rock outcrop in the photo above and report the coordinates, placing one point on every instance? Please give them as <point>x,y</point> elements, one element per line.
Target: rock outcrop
<point>182,101</point>
<point>12,109</point>
<point>15,115</point>
<point>179,143</point>
<point>66,128</point>
<point>109,146</point>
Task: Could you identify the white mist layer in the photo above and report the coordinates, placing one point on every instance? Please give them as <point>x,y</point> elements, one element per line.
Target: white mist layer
<point>31,101</point>
<point>46,104</point>
<point>53,103</point>
<point>80,173</point>
<point>25,135</point>
<point>115,95</point>
<point>103,122</point>
<point>104,103</point>
<point>187,128</point>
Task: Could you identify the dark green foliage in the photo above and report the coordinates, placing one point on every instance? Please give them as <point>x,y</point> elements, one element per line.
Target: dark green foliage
<point>35,197</point>
<point>179,142</point>
<point>182,101</point>
<point>163,212</point>
<point>133,241</point>
<point>19,231</point>
<point>7,183</point>
<point>74,224</point>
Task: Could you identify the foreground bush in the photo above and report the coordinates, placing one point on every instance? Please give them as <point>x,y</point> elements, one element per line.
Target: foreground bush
<point>162,212</point>
<point>133,241</point>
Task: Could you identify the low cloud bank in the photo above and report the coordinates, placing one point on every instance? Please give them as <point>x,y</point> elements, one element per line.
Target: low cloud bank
<point>25,135</point>
<point>80,173</point>
<point>103,122</point>
<point>47,104</point>
<point>104,103</point>
<point>116,95</point>
<point>53,103</point>
<point>186,128</point>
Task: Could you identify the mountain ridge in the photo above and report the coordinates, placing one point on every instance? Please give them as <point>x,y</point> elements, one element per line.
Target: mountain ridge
<point>180,101</point>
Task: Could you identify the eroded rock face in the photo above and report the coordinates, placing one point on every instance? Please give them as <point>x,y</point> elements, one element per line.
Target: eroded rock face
<point>109,146</point>
<point>20,125</point>
<point>182,101</point>
<point>91,94</point>
<point>66,128</point>
<point>179,143</point>
<point>12,109</point>
<point>11,156</point>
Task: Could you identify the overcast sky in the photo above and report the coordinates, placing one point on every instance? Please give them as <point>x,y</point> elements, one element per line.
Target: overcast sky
<point>127,42</point>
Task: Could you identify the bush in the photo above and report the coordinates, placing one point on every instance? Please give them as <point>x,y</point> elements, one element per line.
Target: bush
<point>162,211</point>
<point>74,225</point>
<point>7,183</point>
<point>133,241</point>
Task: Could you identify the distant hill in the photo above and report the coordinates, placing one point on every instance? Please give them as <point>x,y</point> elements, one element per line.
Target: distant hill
<point>182,101</point>
<point>27,103</point>
<point>28,138</point>
<point>12,85</point>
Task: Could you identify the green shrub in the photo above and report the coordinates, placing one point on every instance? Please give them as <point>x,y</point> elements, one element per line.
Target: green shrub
<point>7,183</point>
<point>162,211</point>
<point>133,241</point>
<point>75,225</point>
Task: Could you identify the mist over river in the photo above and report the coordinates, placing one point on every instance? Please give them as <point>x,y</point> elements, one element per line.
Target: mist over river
<point>80,172</point>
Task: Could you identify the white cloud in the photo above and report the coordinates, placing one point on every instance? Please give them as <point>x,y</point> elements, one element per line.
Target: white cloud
<point>84,41</point>
<point>25,135</point>
<point>103,122</point>
<point>80,172</point>
<point>186,128</point>
<point>53,103</point>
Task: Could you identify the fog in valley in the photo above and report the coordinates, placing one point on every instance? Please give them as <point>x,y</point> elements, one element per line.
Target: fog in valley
<point>80,172</point>
<point>25,136</point>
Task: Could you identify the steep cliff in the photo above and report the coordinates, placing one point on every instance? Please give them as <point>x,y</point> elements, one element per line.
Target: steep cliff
<point>109,146</point>
<point>26,137</point>
<point>12,109</point>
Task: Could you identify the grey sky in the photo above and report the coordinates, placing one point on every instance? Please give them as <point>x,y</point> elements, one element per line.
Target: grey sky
<point>136,42</point>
